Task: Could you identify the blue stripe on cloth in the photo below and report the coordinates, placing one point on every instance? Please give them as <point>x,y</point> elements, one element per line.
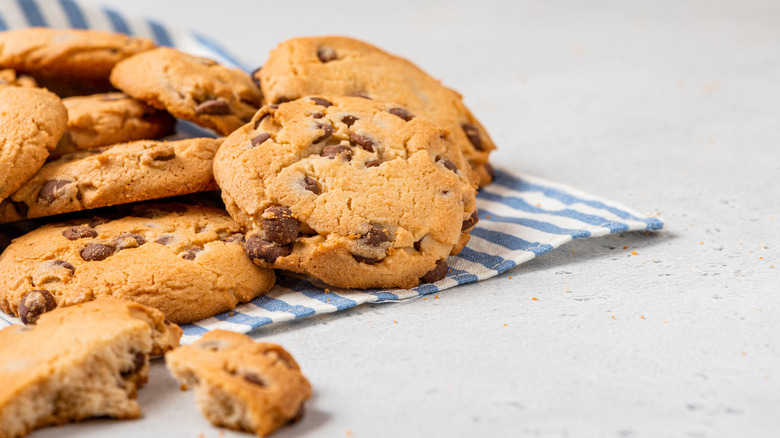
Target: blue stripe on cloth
<point>487,215</point>
<point>193,130</point>
<point>461,276</point>
<point>511,242</point>
<point>425,289</point>
<point>381,294</point>
<point>242,318</point>
<point>75,16</point>
<point>3,25</point>
<point>161,35</point>
<point>277,305</point>
<point>307,288</point>
<point>117,21</point>
<point>507,180</point>
<point>490,261</point>
<point>520,204</point>
<point>216,48</point>
<point>193,329</point>
<point>32,13</point>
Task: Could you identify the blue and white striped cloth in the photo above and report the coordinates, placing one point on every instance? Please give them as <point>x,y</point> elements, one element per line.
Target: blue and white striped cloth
<point>521,217</point>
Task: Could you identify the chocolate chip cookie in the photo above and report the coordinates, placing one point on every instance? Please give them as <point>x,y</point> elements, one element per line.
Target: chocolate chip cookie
<point>120,174</point>
<point>111,118</point>
<point>79,362</point>
<point>9,77</point>
<point>192,88</point>
<point>357,193</point>
<point>187,261</point>
<point>348,67</point>
<point>32,121</point>
<point>68,61</point>
<point>241,384</point>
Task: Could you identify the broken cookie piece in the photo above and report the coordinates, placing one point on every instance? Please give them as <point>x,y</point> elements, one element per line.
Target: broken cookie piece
<point>79,362</point>
<point>241,384</point>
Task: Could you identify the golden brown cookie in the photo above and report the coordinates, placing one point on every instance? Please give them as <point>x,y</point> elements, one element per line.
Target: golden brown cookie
<point>111,118</point>
<point>357,193</point>
<point>187,261</point>
<point>120,174</point>
<point>32,121</point>
<point>79,362</point>
<point>347,67</point>
<point>241,384</point>
<point>192,88</point>
<point>68,61</point>
<point>9,77</point>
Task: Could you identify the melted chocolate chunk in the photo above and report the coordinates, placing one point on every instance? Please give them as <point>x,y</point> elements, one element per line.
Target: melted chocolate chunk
<point>326,54</point>
<point>437,273</point>
<point>373,163</point>
<point>327,131</point>
<point>66,265</point>
<point>165,157</point>
<point>402,113</point>
<point>50,190</point>
<point>312,185</point>
<point>79,232</point>
<point>257,248</point>
<point>349,120</point>
<point>375,236</point>
<point>164,240</point>
<point>470,222</point>
<point>490,171</point>
<point>366,260</point>
<point>279,225</point>
<point>96,252</point>
<point>363,141</point>
<point>254,378</point>
<point>34,304</point>
<point>337,150</point>
<point>317,115</point>
<point>139,360</point>
<point>260,139</point>
<point>257,123</point>
<point>320,101</point>
<point>473,134</point>
<point>191,253</point>
<point>449,165</point>
<point>215,107</point>
<point>256,76</point>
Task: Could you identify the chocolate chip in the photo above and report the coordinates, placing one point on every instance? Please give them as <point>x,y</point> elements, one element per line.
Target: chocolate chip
<point>257,123</point>
<point>254,378</point>
<point>80,232</point>
<point>164,157</point>
<point>139,360</point>
<point>256,76</point>
<point>449,165</point>
<point>363,141</point>
<point>362,96</point>
<point>320,101</point>
<point>49,190</point>
<point>490,171</point>
<point>236,238</point>
<point>21,208</point>
<point>418,245</point>
<point>279,225</point>
<point>327,131</point>
<point>337,150</point>
<point>326,54</point>
<point>375,236</point>
<point>257,248</point>
<point>216,107</point>
<point>312,185</point>
<point>317,115</point>
<point>97,220</point>
<point>96,252</point>
<point>366,260</point>
<point>164,240</point>
<point>65,265</point>
<point>470,222</point>
<point>437,273</point>
<point>349,120</point>
<point>260,139</point>
<point>121,241</point>
<point>473,134</point>
<point>34,304</point>
<point>373,163</point>
<point>402,113</point>
<point>191,253</point>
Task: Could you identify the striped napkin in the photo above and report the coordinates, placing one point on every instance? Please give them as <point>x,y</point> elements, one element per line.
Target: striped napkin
<point>521,217</point>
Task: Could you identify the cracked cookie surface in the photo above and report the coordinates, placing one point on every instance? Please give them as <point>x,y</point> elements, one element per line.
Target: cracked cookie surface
<point>68,61</point>
<point>344,66</point>
<point>241,384</point>
<point>120,174</point>
<point>79,362</point>
<point>32,121</point>
<point>356,193</point>
<point>187,261</point>
<point>189,87</point>
<point>110,118</point>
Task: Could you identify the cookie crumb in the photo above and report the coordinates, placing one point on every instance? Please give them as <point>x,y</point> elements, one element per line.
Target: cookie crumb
<point>625,247</point>
<point>634,252</point>
<point>642,316</point>
<point>395,322</point>
<point>613,316</point>
<point>535,299</point>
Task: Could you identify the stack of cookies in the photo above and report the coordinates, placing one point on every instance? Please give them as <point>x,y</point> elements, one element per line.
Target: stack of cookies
<point>335,160</point>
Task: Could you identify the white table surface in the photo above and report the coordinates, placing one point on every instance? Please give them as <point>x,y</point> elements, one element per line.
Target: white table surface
<point>664,106</point>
